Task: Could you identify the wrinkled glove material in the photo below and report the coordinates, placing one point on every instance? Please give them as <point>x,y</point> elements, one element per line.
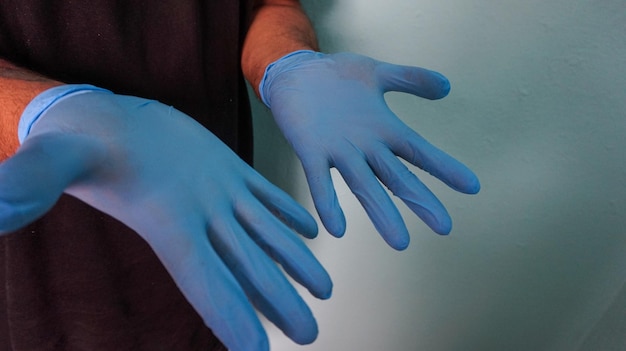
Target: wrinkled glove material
<point>331,109</point>
<point>218,226</point>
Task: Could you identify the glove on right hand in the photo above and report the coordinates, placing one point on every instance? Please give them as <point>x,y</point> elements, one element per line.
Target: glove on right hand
<point>212,220</point>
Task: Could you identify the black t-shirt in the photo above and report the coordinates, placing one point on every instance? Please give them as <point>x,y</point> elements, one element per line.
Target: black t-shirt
<point>78,279</point>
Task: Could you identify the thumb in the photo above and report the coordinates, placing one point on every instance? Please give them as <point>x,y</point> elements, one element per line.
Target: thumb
<point>413,80</point>
<point>35,177</point>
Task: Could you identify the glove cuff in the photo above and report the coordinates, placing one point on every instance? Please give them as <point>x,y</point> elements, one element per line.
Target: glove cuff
<point>35,109</point>
<point>276,67</point>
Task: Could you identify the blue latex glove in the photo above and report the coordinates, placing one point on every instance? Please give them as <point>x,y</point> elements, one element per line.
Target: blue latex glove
<point>332,111</point>
<point>212,220</point>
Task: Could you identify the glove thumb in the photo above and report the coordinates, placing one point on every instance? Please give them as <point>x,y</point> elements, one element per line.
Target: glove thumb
<point>413,80</point>
<point>35,177</point>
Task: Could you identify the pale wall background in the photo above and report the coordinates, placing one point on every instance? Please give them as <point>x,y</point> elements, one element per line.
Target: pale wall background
<point>537,260</point>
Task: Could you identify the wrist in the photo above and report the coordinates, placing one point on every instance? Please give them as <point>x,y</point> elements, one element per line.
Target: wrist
<point>18,86</point>
<point>284,63</point>
<point>42,102</point>
<point>276,29</point>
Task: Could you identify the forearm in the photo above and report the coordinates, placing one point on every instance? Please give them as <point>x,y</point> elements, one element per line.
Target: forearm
<point>278,27</point>
<point>18,87</point>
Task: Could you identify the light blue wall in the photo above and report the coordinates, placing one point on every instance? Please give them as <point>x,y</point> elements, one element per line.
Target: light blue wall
<point>538,110</point>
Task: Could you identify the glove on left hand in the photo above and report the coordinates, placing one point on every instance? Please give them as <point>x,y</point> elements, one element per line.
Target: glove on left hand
<point>332,111</point>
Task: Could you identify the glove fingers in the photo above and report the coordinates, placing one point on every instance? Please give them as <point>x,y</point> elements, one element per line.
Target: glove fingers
<point>405,185</point>
<point>379,207</point>
<point>413,80</point>
<point>324,196</point>
<point>419,152</point>
<point>283,206</point>
<point>208,284</point>
<point>263,282</point>
<point>280,243</point>
<point>35,177</point>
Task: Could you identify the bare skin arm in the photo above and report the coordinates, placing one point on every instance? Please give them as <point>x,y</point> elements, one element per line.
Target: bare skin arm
<point>18,87</point>
<point>279,27</point>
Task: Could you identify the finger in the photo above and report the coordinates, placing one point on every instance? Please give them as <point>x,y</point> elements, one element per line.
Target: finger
<point>207,283</point>
<point>405,185</point>
<point>324,196</point>
<point>413,80</point>
<point>379,207</point>
<point>412,147</point>
<point>280,243</point>
<point>264,284</point>
<point>35,177</point>
<point>283,206</point>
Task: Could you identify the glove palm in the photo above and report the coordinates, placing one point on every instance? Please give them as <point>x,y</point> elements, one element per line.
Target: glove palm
<point>332,111</point>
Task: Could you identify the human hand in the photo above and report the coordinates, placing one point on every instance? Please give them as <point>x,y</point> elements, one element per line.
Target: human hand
<point>332,111</point>
<point>212,220</point>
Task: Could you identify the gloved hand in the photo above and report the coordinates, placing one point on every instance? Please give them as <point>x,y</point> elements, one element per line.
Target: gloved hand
<point>332,111</point>
<point>212,220</point>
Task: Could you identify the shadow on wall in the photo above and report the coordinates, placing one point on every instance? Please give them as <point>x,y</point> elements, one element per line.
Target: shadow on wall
<point>318,11</point>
